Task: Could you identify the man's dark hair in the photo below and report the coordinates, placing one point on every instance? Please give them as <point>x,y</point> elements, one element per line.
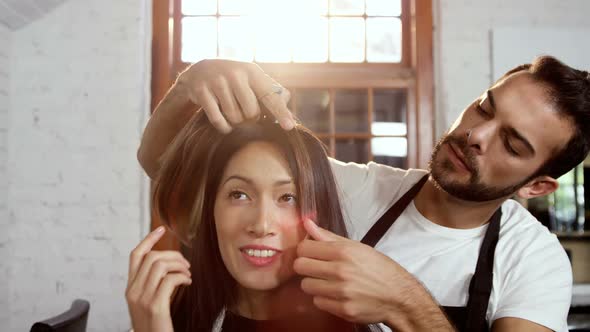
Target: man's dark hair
<point>569,91</point>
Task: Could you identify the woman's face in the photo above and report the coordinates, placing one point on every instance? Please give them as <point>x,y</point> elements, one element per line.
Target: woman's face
<point>257,219</point>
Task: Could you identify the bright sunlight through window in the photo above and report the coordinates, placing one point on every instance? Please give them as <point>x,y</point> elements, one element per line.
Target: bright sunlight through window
<point>312,31</point>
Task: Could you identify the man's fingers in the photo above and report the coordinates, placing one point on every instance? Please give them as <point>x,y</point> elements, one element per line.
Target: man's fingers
<point>141,250</point>
<point>318,233</point>
<point>314,268</point>
<point>332,306</point>
<point>278,108</point>
<point>323,288</point>
<point>247,100</point>
<point>323,251</point>
<point>209,104</point>
<point>229,105</point>
<point>266,90</point>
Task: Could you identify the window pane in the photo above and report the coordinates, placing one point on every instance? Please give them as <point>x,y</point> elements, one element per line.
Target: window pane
<point>384,7</point>
<point>233,7</point>
<point>355,150</point>
<point>273,40</point>
<point>235,39</point>
<point>350,108</point>
<point>347,7</point>
<point>384,36</point>
<point>389,146</point>
<point>199,38</point>
<point>389,112</point>
<point>199,7</point>
<point>398,162</point>
<point>390,151</point>
<point>310,40</point>
<point>313,109</point>
<point>310,7</point>
<point>347,39</point>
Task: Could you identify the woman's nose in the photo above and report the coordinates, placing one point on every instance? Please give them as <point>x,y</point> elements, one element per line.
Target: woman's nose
<point>262,223</point>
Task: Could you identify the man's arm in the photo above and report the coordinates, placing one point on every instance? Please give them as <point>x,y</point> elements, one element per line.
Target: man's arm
<point>510,324</point>
<point>171,114</point>
<point>227,91</point>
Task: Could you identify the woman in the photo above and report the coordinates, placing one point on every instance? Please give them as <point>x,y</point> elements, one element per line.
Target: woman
<point>240,218</point>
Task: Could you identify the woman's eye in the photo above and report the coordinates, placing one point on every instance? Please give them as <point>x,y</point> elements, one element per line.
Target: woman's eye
<point>238,195</point>
<point>289,198</point>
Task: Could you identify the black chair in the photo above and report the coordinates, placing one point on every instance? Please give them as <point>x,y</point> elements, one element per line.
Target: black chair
<point>73,320</point>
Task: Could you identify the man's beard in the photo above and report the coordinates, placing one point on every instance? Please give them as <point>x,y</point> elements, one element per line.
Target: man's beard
<point>474,190</point>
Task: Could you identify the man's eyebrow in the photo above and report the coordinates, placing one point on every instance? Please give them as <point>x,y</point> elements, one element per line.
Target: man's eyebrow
<point>490,97</point>
<point>512,132</point>
<point>250,182</point>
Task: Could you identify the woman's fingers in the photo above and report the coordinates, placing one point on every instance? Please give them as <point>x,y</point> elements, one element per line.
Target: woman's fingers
<point>168,285</point>
<point>142,249</point>
<point>150,259</point>
<point>160,269</point>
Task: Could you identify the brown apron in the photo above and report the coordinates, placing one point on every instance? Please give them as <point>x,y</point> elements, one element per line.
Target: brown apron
<point>473,316</point>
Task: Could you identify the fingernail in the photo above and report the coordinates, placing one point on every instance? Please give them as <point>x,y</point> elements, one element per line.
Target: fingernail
<point>286,123</point>
<point>159,230</point>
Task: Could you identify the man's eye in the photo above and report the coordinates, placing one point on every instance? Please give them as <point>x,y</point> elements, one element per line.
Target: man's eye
<point>238,195</point>
<point>510,149</point>
<point>480,110</point>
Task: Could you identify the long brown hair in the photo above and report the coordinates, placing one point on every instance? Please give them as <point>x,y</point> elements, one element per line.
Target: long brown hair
<point>184,198</point>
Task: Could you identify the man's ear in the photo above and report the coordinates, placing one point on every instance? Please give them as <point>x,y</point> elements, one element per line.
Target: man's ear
<point>539,186</point>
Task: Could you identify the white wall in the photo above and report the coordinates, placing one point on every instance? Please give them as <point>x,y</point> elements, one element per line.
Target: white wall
<point>79,99</point>
<point>463,49</point>
<point>5,47</point>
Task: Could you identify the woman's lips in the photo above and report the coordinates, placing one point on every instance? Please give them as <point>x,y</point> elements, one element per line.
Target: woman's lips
<point>259,255</point>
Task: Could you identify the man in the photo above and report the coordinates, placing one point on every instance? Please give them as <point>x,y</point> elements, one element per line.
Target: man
<point>448,237</point>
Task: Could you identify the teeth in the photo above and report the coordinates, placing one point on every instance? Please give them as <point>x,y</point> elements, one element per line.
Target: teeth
<point>260,253</point>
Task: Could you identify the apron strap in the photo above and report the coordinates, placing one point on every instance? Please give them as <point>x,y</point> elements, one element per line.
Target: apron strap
<point>481,283</point>
<point>384,223</point>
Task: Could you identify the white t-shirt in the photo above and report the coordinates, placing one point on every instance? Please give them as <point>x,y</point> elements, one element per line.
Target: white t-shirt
<point>532,274</point>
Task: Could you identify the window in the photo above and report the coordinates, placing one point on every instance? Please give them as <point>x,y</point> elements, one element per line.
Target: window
<point>360,70</point>
<point>313,31</point>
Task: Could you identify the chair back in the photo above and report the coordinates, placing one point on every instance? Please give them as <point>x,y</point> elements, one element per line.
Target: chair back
<point>73,320</point>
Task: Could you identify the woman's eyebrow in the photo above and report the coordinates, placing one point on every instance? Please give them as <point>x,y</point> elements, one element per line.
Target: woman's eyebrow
<point>280,182</point>
<point>238,177</point>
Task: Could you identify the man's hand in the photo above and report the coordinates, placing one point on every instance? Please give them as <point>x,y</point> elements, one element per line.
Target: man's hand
<point>357,283</point>
<point>229,92</point>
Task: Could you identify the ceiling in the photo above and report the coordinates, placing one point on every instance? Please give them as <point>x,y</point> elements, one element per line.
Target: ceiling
<point>15,14</point>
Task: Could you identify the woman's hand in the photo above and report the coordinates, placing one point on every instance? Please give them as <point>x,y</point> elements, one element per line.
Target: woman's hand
<point>153,278</point>
<point>230,91</point>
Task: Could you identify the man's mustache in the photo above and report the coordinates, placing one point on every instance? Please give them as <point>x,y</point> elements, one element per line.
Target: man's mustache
<point>462,144</point>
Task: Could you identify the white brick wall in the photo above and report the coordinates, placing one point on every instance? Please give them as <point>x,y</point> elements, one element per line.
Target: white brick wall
<point>5,48</point>
<point>79,99</point>
<point>462,43</point>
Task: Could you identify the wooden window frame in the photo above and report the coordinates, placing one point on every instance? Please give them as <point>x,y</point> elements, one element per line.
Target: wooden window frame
<point>414,72</point>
